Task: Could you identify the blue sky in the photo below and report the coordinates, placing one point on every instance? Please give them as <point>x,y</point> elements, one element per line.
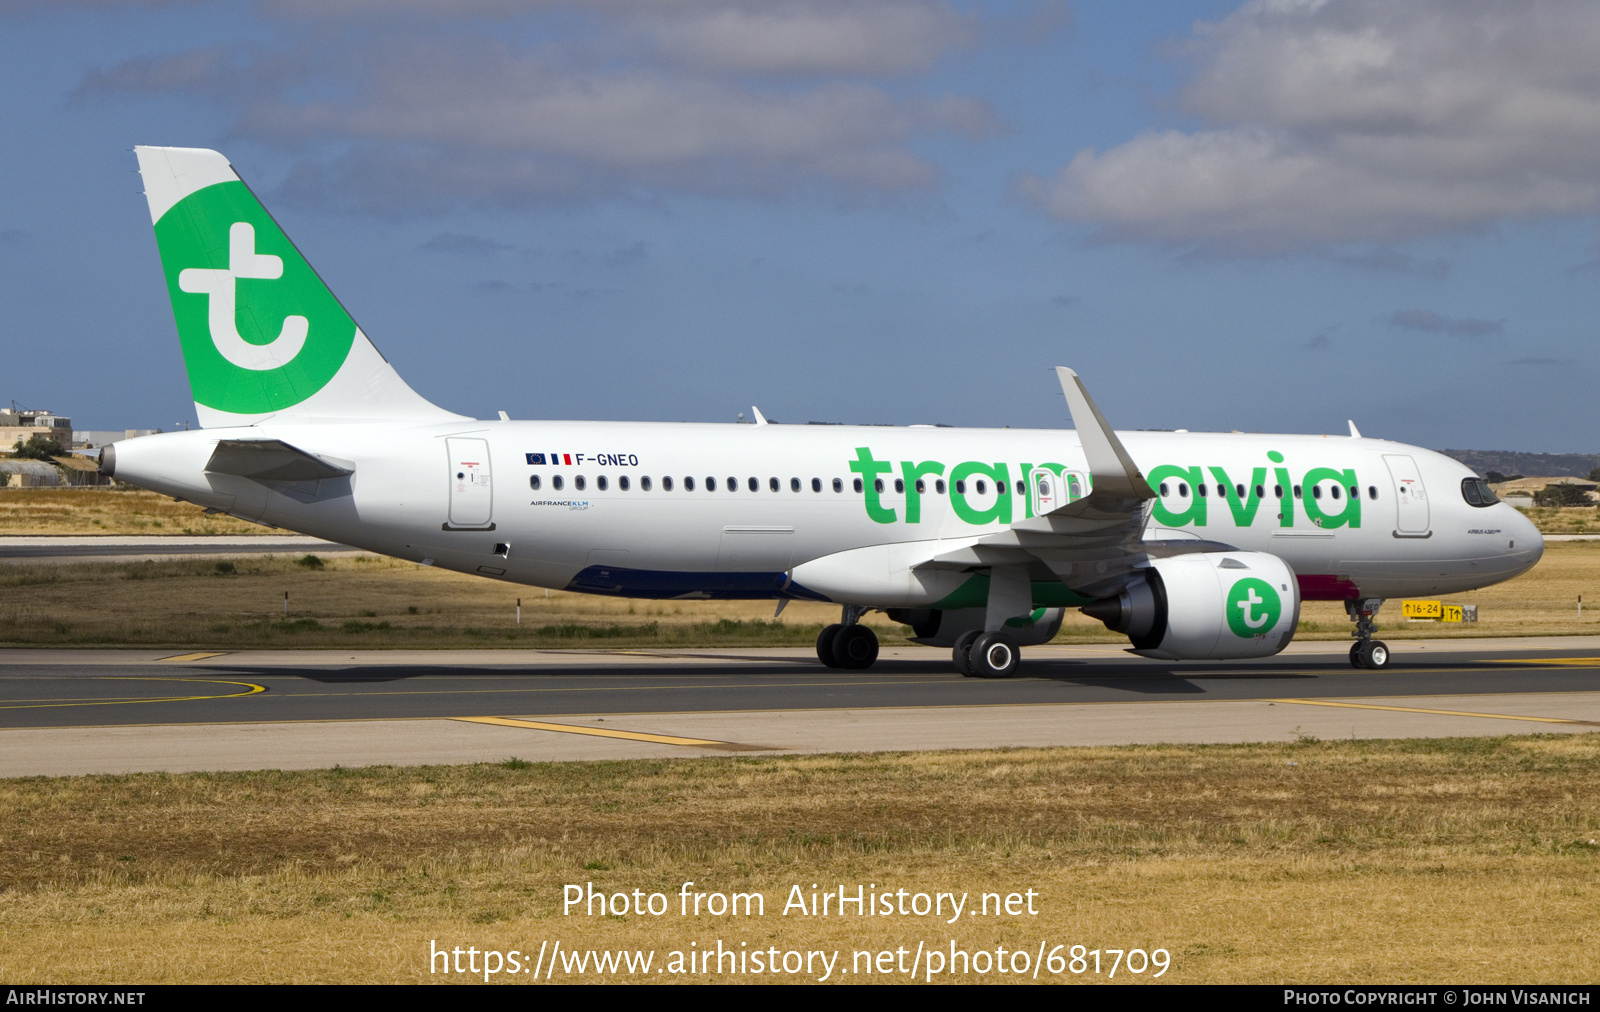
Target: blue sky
<point>1269,216</point>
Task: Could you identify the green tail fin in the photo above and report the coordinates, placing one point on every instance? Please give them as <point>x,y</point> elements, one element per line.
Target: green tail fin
<point>262,336</point>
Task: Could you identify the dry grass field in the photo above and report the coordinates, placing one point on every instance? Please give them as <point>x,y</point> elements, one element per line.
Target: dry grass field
<point>124,509</point>
<point>101,510</point>
<point>1464,860</point>
<point>1572,520</point>
<point>372,601</point>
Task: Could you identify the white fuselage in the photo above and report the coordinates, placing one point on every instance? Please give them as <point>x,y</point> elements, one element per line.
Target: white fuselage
<point>459,495</point>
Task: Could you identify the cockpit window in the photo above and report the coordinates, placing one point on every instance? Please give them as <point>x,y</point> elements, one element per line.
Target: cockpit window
<point>1477,492</point>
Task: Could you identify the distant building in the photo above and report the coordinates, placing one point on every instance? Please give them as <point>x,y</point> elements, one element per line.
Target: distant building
<point>29,474</point>
<point>19,425</point>
<point>93,439</point>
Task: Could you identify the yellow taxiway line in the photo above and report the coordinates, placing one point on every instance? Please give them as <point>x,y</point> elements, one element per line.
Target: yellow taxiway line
<point>250,689</point>
<point>606,732</point>
<point>1442,713</point>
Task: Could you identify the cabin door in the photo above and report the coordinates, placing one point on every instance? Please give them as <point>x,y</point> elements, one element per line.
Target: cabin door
<point>1411,499</point>
<point>471,492</point>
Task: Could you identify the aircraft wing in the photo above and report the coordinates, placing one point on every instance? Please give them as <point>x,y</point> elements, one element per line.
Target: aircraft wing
<point>1091,543</point>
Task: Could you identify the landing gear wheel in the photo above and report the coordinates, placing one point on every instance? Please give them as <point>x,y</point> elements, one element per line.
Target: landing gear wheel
<point>825,640</point>
<point>1355,655</point>
<point>1374,654</point>
<point>994,655</point>
<point>960,653</point>
<point>856,647</point>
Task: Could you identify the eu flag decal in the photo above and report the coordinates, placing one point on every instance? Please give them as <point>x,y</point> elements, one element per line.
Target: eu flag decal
<point>535,458</point>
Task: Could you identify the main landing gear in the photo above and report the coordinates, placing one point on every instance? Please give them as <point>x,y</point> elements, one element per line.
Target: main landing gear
<point>986,654</point>
<point>1366,652</point>
<point>847,643</point>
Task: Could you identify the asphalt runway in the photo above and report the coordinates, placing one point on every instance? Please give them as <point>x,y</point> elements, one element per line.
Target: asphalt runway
<point>112,548</point>
<point>80,711</point>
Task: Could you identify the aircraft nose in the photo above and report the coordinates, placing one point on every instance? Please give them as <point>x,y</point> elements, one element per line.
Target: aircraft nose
<point>1526,544</point>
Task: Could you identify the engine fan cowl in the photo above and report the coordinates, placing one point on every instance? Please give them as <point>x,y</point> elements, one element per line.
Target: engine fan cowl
<point>1207,606</point>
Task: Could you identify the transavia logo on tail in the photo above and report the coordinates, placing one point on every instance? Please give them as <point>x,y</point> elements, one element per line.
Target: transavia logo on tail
<point>1253,607</point>
<point>260,331</point>
<point>221,287</point>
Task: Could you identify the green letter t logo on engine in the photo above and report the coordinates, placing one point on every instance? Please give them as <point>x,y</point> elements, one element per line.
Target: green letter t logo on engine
<point>1253,607</point>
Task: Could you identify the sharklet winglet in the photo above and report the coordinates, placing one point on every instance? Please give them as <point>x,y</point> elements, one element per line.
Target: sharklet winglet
<point>1111,469</point>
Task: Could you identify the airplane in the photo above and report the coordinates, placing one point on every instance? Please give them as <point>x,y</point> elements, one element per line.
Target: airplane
<point>1196,546</point>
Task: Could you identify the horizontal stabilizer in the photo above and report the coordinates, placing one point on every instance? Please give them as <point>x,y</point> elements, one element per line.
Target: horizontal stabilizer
<point>271,460</point>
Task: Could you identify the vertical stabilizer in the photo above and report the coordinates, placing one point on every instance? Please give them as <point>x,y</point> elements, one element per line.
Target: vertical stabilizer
<point>263,337</point>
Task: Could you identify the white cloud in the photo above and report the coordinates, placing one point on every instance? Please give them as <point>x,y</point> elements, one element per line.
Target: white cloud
<point>627,96</point>
<point>1329,121</point>
<point>891,37</point>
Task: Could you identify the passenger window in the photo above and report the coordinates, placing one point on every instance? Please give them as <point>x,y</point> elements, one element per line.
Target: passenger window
<point>1261,493</point>
<point>899,485</point>
<point>877,485</point>
<point>772,483</point>
<point>622,482</point>
<point>600,483</point>
<point>1240,490</point>
<point>1334,491</point>
<point>753,485</point>
<point>688,484</point>
<point>1316,491</point>
<point>711,483</point>
<point>555,482</point>
<point>1045,489</point>
<point>1372,491</point>
<point>961,488</point>
<point>1297,494</point>
<point>578,483</point>
<point>1355,492</point>
<point>644,483</point>
<point>856,485</point>
<point>1201,489</point>
<point>794,484</point>
<point>816,484</point>
<point>1022,488</point>
<point>1222,491</point>
<point>922,486</point>
<point>533,482</point>
<point>1183,490</point>
<point>938,485</point>
<point>1277,490</point>
<point>733,484</point>
<point>838,486</point>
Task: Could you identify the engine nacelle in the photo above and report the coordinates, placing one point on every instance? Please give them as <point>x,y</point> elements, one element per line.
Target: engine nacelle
<point>1208,606</point>
<point>936,628</point>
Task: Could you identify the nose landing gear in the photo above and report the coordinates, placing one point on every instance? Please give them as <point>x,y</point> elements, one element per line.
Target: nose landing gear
<point>1366,652</point>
